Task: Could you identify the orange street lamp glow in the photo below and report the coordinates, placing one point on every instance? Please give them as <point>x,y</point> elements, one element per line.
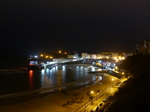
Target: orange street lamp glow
<point>117,60</point>
<point>116,68</point>
<point>107,57</point>
<point>115,57</point>
<point>65,52</point>
<point>92,92</point>
<point>119,57</point>
<point>123,58</point>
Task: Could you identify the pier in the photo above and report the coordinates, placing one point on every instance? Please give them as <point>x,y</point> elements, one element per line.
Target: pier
<point>42,64</point>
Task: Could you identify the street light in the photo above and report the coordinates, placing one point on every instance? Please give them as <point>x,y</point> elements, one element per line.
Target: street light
<point>35,56</point>
<point>65,52</point>
<point>41,55</point>
<point>92,92</point>
<point>116,68</point>
<point>99,57</point>
<point>59,51</point>
<point>107,57</point>
<point>91,95</point>
<point>123,58</point>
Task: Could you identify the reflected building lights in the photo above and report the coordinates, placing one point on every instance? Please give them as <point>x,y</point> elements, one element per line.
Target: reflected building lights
<point>30,79</point>
<point>56,67</point>
<point>61,74</point>
<point>93,69</point>
<point>43,72</point>
<point>86,69</point>
<point>63,68</point>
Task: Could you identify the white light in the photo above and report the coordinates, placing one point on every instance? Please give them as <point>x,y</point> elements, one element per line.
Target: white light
<point>43,71</point>
<point>36,56</point>
<point>99,61</point>
<point>63,68</point>
<point>99,69</point>
<point>93,68</point>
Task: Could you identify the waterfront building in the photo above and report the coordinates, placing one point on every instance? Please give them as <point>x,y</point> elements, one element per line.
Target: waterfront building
<point>73,56</point>
<point>105,55</point>
<point>84,55</point>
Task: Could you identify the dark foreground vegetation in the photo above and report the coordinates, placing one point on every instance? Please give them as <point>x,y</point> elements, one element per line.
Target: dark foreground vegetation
<point>134,95</point>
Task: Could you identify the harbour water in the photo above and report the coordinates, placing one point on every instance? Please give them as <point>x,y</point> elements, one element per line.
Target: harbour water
<point>67,76</point>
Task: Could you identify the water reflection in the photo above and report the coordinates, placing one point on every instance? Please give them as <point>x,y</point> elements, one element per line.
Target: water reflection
<point>93,69</point>
<point>67,74</point>
<point>60,76</point>
<point>30,79</point>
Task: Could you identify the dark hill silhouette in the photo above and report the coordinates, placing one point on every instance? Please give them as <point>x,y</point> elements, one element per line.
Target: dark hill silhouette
<point>134,95</point>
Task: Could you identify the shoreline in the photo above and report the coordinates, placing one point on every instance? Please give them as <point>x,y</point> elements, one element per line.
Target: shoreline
<point>43,92</point>
<point>69,100</point>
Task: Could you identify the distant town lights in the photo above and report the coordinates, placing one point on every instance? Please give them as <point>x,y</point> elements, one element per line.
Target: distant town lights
<point>65,52</point>
<point>116,68</point>
<point>115,57</point>
<point>59,51</point>
<point>35,56</point>
<point>123,58</point>
<point>107,57</point>
<point>100,57</point>
<point>117,60</point>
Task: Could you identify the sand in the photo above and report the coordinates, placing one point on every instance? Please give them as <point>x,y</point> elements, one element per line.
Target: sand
<point>63,101</point>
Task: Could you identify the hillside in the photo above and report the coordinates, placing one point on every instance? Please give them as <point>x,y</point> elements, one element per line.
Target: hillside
<point>134,94</point>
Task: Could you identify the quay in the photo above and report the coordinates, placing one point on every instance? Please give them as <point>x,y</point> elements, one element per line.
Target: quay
<point>42,64</point>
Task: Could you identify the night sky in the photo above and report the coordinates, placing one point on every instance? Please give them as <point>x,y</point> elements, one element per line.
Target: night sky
<point>92,26</point>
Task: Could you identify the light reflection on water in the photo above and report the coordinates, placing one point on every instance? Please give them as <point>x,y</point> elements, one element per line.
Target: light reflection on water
<point>30,79</point>
<point>59,76</point>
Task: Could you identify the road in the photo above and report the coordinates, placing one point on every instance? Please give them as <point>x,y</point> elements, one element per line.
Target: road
<point>106,88</point>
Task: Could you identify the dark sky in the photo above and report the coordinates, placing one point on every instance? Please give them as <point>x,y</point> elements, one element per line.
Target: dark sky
<point>92,26</point>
